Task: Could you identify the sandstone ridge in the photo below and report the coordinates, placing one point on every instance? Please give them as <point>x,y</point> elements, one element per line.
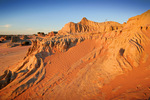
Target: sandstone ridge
<point>86,25</point>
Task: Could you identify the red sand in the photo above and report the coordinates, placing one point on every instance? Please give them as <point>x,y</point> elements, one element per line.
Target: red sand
<point>60,63</point>
<point>133,85</point>
<point>11,56</point>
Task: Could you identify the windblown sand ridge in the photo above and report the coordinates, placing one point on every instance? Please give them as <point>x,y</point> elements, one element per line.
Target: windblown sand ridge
<point>85,63</point>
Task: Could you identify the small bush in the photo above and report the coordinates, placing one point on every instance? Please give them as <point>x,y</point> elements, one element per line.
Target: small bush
<point>25,43</point>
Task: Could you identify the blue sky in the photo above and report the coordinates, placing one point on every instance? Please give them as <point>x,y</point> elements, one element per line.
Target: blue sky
<point>31,16</point>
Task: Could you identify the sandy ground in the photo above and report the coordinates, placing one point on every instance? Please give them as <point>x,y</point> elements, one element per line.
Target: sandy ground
<point>59,63</point>
<point>133,85</point>
<point>10,56</point>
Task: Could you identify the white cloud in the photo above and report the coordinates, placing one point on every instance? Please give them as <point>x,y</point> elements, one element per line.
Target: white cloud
<point>5,26</point>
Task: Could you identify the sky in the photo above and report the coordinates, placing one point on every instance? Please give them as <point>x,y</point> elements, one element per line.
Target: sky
<point>32,16</point>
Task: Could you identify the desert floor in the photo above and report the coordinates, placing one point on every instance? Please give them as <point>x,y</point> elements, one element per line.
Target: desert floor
<point>10,56</point>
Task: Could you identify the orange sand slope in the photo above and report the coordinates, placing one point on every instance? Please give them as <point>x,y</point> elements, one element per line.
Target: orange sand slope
<point>81,64</point>
<point>10,56</point>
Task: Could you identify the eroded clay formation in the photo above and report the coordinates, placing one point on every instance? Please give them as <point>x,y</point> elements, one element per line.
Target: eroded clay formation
<point>117,49</point>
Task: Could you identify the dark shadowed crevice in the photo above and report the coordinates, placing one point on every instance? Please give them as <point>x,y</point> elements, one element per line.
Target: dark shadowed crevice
<point>121,51</point>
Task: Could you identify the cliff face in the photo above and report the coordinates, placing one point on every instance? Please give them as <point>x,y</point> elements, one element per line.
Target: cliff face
<point>86,25</point>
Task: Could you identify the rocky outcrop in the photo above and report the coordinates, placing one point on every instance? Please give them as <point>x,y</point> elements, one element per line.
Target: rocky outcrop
<point>52,33</point>
<point>24,37</point>
<point>40,33</point>
<point>89,26</point>
<point>15,39</point>
<point>2,39</point>
<point>25,74</point>
<point>139,20</point>
<point>25,43</point>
